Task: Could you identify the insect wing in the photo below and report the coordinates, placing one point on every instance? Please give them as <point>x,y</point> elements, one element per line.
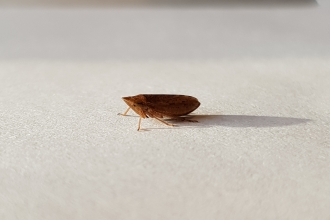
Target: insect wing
<point>172,105</point>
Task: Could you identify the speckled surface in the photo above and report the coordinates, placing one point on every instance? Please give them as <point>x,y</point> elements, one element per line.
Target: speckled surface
<point>260,150</point>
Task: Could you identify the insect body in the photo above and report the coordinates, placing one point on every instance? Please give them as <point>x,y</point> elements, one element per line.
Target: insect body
<point>161,106</point>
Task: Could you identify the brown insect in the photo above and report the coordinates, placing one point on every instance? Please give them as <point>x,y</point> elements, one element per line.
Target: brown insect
<point>161,106</point>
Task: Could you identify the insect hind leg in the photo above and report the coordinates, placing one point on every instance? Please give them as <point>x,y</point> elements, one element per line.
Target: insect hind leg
<point>164,122</point>
<point>187,119</point>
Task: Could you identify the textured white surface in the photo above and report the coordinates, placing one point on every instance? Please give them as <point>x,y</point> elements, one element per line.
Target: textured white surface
<point>260,150</point>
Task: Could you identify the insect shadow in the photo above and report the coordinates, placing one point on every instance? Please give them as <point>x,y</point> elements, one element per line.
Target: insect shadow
<point>238,121</point>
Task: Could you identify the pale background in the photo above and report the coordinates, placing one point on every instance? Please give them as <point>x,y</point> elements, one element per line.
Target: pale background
<point>261,147</point>
<point>150,2</point>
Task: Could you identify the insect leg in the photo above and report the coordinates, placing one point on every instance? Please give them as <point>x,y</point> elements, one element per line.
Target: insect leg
<point>125,113</point>
<point>184,119</point>
<point>139,124</point>
<point>164,122</point>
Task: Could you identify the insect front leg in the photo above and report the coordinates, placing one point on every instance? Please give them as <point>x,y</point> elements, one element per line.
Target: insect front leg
<point>125,113</point>
<point>139,125</point>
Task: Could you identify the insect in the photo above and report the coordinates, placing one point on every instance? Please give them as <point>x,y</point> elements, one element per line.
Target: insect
<point>161,106</point>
